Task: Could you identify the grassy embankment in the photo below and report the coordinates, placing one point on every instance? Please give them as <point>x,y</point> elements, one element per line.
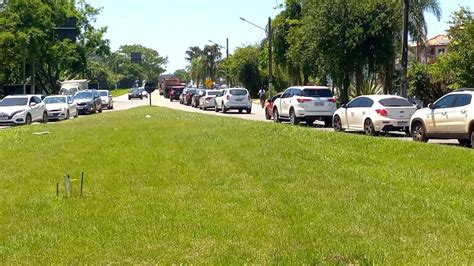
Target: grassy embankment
<point>189,188</point>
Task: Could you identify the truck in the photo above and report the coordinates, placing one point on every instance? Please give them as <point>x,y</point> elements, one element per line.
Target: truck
<point>70,87</point>
<point>167,83</point>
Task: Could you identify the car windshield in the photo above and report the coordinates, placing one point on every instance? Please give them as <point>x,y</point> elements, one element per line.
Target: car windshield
<point>83,95</point>
<point>53,100</point>
<point>213,93</point>
<point>14,101</point>
<point>238,92</point>
<point>103,93</point>
<point>317,93</point>
<point>395,102</point>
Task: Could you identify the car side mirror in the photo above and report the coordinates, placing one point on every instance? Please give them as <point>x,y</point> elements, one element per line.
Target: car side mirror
<point>344,106</point>
<point>431,106</point>
<point>33,104</point>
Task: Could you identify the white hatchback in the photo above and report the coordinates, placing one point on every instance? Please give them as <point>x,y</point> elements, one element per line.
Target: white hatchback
<point>374,113</point>
<point>234,98</point>
<point>22,109</point>
<point>60,107</point>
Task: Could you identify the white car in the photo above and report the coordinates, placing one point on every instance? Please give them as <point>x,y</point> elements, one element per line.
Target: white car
<point>106,98</point>
<point>22,109</point>
<point>451,117</point>
<point>375,113</point>
<point>309,103</point>
<point>60,107</point>
<point>233,99</point>
<point>207,100</point>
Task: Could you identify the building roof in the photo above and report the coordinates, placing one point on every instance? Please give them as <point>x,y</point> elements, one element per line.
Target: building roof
<point>438,40</point>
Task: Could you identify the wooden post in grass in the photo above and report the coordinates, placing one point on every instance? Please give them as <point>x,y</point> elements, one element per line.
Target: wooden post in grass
<point>66,186</point>
<point>82,181</point>
<point>57,189</point>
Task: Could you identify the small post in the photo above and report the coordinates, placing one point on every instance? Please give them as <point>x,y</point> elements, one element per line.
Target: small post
<point>149,96</point>
<point>66,186</point>
<point>82,181</point>
<point>57,189</point>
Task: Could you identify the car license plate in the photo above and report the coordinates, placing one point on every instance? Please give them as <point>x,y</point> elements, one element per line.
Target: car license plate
<point>318,103</point>
<point>3,117</point>
<point>402,123</point>
<point>239,100</point>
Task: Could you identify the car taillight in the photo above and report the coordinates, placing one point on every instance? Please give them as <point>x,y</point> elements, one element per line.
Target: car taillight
<point>332,100</point>
<point>228,98</point>
<point>300,100</point>
<point>382,112</point>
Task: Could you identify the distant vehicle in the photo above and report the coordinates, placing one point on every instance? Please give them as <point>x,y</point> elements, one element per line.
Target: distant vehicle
<point>175,92</point>
<point>22,109</point>
<point>451,117</point>
<point>168,83</point>
<point>106,98</point>
<point>188,97</point>
<point>135,93</point>
<point>143,92</point>
<point>195,100</point>
<point>182,95</point>
<point>307,104</point>
<point>269,106</point>
<point>70,87</point>
<point>88,102</point>
<point>60,107</point>
<point>208,99</point>
<point>233,99</point>
<point>375,113</point>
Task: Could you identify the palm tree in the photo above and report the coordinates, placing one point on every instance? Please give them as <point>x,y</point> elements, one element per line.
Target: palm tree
<point>418,29</point>
<point>193,52</point>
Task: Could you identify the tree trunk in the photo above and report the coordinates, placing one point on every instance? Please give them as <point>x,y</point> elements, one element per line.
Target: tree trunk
<point>359,79</point>
<point>389,70</point>
<point>345,88</point>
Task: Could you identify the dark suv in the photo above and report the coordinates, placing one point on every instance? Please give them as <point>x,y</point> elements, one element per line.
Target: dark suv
<point>88,101</point>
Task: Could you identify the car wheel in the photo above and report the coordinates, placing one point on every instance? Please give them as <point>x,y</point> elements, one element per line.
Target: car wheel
<point>216,109</point>
<point>224,109</point>
<point>45,118</point>
<point>100,110</point>
<point>276,117</point>
<point>240,111</point>
<point>249,111</point>
<point>465,142</point>
<point>328,122</point>
<point>472,139</point>
<point>77,113</point>
<point>310,123</point>
<point>337,124</point>
<point>68,115</point>
<point>293,119</point>
<point>369,129</point>
<point>129,98</point>
<point>419,132</point>
<point>28,119</point>
<point>141,97</point>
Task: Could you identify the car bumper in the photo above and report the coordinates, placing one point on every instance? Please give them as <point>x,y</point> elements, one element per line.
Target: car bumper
<point>56,115</point>
<point>314,115</point>
<point>235,105</point>
<point>85,109</point>
<point>15,120</point>
<point>391,124</point>
<point>208,104</point>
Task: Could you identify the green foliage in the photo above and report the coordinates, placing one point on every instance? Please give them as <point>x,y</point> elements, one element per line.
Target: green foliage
<point>243,65</point>
<point>236,200</point>
<point>422,86</point>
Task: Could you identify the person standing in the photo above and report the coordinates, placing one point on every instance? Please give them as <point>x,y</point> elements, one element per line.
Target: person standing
<point>261,96</point>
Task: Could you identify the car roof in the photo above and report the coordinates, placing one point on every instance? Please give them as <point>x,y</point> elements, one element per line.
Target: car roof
<point>57,96</point>
<point>309,87</point>
<point>378,97</point>
<point>21,96</point>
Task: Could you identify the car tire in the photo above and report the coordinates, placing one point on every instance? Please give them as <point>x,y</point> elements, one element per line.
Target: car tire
<point>328,122</point>
<point>276,116</point>
<point>293,119</point>
<point>216,109</point>
<point>465,143</point>
<point>28,119</point>
<point>100,110</point>
<point>45,118</point>
<point>337,124</point>
<point>224,109</point>
<point>141,97</point>
<point>309,123</point>
<point>369,128</point>
<point>241,111</point>
<point>419,132</point>
<point>472,138</point>
<point>68,115</point>
<point>77,114</point>
<point>249,111</point>
<point>129,98</point>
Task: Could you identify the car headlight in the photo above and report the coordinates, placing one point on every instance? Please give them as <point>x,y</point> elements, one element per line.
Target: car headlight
<point>17,112</point>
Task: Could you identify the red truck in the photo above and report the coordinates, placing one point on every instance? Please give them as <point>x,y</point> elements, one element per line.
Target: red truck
<point>167,83</point>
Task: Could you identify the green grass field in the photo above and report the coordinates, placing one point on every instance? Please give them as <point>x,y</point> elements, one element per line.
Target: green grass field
<point>189,188</point>
<point>118,92</point>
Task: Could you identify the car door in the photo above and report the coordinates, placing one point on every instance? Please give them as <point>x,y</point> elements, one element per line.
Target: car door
<point>457,114</point>
<point>36,110</point>
<point>437,120</point>
<point>351,111</point>
<point>71,105</point>
<point>361,112</point>
<point>285,102</point>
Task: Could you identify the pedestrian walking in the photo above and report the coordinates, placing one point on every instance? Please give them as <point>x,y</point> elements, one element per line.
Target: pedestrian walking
<point>261,96</point>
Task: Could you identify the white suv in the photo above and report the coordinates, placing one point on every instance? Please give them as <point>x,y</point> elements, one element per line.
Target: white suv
<point>451,117</point>
<point>305,104</point>
<point>235,98</point>
<point>22,109</point>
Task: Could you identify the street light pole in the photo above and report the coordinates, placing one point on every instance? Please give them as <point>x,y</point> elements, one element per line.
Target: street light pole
<point>404,88</point>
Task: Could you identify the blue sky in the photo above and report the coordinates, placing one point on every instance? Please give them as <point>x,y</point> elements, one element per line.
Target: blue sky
<point>171,26</point>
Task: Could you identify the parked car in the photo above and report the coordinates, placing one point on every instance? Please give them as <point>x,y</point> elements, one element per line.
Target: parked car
<point>22,109</point>
<point>88,101</point>
<point>208,99</point>
<point>188,97</point>
<point>176,92</point>
<point>195,100</point>
<point>451,117</point>
<point>135,94</point>
<point>60,107</point>
<point>107,100</point>
<point>269,106</point>
<point>143,92</point>
<point>375,113</point>
<point>182,95</point>
<point>307,104</point>
<point>234,99</point>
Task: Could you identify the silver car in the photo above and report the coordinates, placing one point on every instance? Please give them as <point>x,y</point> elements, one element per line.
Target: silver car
<point>208,99</point>
<point>106,98</point>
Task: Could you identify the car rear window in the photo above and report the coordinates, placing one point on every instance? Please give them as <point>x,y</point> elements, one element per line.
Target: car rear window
<point>238,92</point>
<point>213,93</point>
<point>395,102</point>
<point>317,93</point>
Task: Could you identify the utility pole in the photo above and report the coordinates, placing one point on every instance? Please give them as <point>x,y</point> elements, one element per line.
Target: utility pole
<point>270,58</point>
<point>227,48</point>
<point>404,89</point>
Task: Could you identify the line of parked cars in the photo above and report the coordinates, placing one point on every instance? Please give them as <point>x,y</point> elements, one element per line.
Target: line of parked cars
<point>220,100</point>
<point>26,109</point>
<point>451,117</point>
